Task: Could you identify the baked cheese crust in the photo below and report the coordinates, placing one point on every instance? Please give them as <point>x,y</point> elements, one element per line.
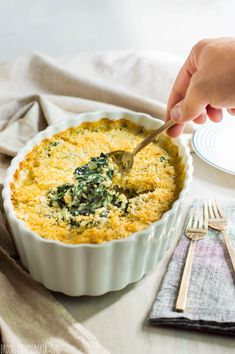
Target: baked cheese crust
<point>46,186</point>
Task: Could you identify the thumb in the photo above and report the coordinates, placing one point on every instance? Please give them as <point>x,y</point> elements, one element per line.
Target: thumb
<point>189,108</point>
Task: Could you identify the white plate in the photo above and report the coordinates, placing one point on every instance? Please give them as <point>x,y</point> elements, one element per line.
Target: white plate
<point>215,144</point>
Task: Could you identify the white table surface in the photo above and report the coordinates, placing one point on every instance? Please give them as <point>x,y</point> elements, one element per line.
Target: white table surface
<point>117,319</point>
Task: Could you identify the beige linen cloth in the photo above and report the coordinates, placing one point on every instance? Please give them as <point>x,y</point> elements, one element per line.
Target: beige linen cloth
<point>36,91</point>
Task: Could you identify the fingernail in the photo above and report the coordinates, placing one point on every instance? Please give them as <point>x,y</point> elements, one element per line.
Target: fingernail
<point>175,113</point>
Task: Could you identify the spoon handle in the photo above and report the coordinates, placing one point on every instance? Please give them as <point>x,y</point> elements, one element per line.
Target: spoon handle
<point>151,136</point>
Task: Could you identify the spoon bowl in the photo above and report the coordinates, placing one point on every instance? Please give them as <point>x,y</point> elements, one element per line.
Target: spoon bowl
<point>125,159</point>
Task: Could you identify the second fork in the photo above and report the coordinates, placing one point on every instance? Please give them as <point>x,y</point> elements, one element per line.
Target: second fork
<point>218,221</point>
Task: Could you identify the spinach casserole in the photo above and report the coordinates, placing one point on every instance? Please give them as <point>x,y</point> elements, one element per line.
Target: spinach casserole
<point>68,189</point>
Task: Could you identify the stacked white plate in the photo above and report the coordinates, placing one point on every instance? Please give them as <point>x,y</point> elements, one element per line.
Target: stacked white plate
<point>215,144</point>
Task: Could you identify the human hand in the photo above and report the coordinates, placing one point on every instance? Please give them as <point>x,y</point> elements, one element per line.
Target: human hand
<point>204,85</point>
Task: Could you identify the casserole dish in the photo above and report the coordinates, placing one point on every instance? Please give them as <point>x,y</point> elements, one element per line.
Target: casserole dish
<point>94,269</point>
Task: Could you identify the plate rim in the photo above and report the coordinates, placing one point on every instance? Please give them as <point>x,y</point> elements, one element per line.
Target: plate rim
<point>204,158</point>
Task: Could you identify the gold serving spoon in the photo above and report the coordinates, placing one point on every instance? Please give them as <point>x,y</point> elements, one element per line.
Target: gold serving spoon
<point>125,159</point>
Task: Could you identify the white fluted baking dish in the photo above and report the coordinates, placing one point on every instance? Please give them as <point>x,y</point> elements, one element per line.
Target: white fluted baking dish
<point>94,269</point>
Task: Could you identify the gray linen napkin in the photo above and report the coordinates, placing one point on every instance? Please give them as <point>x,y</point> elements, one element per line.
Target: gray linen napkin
<point>211,295</point>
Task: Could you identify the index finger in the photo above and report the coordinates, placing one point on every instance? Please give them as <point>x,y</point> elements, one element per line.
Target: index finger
<point>181,84</point>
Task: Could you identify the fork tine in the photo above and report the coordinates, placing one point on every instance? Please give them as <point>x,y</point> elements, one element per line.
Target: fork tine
<point>220,210</point>
<point>205,215</point>
<point>196,219</point>
<point>210,210</point>
<point>215,209</point>
<point>200,219</point>
<point>190,222</point>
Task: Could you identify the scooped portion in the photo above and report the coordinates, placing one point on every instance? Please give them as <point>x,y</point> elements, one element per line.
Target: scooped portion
<point>68,189</point>
<point>92,193</point>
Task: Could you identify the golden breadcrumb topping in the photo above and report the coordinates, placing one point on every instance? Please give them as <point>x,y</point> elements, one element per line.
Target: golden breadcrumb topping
<point>68,189</point>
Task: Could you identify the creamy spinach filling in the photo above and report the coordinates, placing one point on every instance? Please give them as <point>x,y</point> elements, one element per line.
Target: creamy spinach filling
<point>92,193</point>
